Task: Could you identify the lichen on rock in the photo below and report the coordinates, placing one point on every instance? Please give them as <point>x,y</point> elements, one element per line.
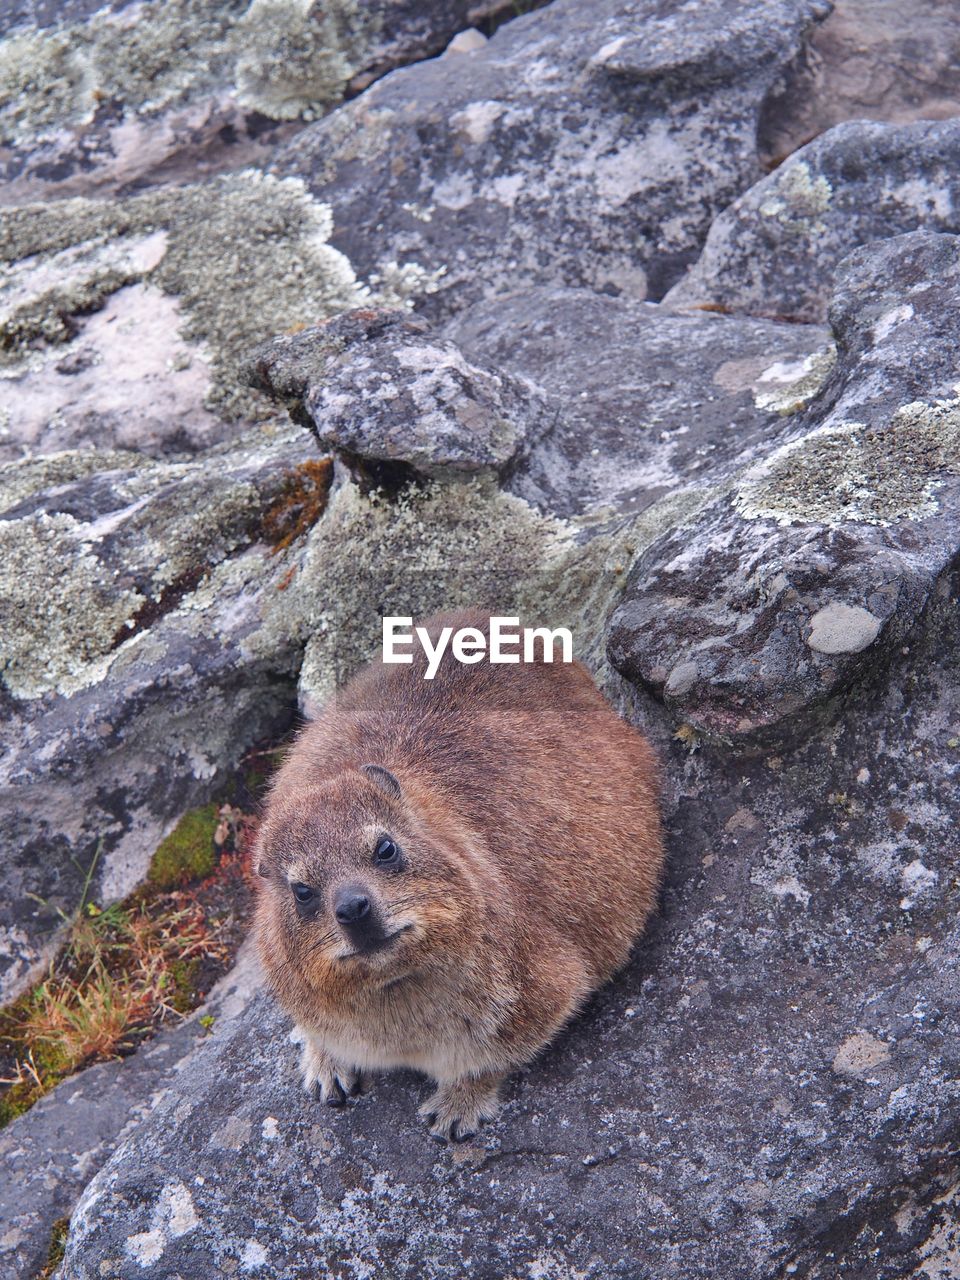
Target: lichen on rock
<point>244,254</point>
<point>59,612</point>
<point>797,199</point>
<point>284,57</point>
<point>855,472</point>
<point>295,57</point>
<point>788,386</point>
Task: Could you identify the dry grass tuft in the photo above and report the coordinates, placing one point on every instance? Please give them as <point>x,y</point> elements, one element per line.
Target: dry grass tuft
<point>127,968</point>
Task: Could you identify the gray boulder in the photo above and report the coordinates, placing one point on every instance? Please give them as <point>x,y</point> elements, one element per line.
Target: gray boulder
<point>586,145</point>
<point>776,250</point>
<point>141,653</point>
<point>383,392</point>
<point>831,549</point>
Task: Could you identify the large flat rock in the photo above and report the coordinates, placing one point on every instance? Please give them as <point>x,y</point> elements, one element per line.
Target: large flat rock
<point>651,403</point>
<point>586,145</point>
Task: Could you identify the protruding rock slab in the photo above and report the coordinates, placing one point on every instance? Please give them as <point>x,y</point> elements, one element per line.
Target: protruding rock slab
<point>583,145</point>
<point>379,389</point>
<point>816,565</point>
<point>143,649</point>
<point>776,250</point>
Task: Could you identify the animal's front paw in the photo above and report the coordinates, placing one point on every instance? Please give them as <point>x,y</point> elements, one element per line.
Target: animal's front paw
<point>456,1111</point>
<point>336,1082</point>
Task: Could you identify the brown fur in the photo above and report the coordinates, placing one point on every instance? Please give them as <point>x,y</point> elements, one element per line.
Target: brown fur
<point>528,819</point>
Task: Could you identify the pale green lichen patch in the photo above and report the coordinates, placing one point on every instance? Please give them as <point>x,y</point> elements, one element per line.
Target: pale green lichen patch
<point>297,56</point>
<point>59,607</point>
<point>74,593</point>
<point>245,255</point>
<point>437,547</point>
<point>283,58</point>
<point>852,472</point>
<point>440,547</point>
<point>790,385</point>
<point>27,476</point>
<point>797,199</point>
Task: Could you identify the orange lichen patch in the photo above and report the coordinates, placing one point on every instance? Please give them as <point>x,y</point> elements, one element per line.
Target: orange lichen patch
<point>287,578</point>
<point>300,505</point>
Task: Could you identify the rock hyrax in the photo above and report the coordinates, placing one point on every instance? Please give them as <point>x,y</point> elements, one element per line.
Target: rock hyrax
<point>451,866</point>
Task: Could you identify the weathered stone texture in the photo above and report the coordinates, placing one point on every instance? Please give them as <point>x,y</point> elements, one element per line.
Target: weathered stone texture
<point>775,252</point>
<point>586,145</point>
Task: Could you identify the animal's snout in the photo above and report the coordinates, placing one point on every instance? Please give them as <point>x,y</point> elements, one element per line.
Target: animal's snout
<point>351,907</point>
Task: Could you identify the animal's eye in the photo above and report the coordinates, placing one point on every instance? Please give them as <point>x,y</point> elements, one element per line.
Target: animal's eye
<point>386,852</point>
<point>303,894</point>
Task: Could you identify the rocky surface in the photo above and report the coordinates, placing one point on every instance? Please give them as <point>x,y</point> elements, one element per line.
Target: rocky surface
<point>776,250</point>
<point>815,565</point>
<point>750,525</point>
<point>134,613</point>
<point>50,1154</point>
<point>651,403</point>
<point>868,60</point>
<point>106,97</point>
<point>770,1089</point>
<point>807,947</point>
<point>585,145</point>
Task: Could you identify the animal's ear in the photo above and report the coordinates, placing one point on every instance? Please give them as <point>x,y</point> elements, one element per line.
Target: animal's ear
<point>383,779</point>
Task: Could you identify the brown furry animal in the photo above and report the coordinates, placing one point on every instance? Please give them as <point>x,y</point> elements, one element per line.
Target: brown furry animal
<point>451,867</point>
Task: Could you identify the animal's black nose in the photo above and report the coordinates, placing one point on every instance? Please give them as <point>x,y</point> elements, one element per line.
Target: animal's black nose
<point>351,907</point>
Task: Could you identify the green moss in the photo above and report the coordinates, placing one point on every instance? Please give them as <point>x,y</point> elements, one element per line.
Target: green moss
<point>852,472</point>
<point>47,1059</point>
<point>187,853</point>
<point>183,994</point>
<point>18,1099</point>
